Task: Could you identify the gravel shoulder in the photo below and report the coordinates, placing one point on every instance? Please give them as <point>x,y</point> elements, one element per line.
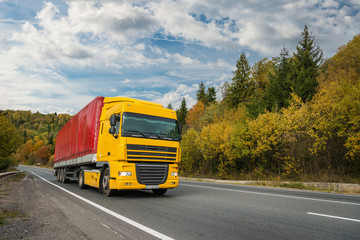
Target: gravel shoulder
<point>28,213</point>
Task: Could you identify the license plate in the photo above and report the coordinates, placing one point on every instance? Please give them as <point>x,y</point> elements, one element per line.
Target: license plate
<point>152,186</point>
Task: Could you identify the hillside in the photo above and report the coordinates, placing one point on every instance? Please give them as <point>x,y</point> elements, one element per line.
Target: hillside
<point>275,131</point>
<point>38,135</point>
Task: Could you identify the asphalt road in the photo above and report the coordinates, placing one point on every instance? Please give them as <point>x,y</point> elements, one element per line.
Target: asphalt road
<point>198,210</point>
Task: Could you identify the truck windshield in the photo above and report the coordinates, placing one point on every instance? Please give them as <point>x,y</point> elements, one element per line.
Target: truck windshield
<point>147,126</point>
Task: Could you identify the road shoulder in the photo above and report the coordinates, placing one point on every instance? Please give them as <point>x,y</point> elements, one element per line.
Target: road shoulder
<point>31,214</point>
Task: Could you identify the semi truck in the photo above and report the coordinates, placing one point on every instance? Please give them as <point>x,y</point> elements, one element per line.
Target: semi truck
<point>119,143</point>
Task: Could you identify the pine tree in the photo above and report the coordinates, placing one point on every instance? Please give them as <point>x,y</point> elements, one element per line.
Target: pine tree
<point>200,93</point>
<point>182,112</point>
<point>210,95</point>
<point>207,97</point>
<point>240,89</point>
<point>169,106</point>
<point>305,66</point>
<point>278,91</point>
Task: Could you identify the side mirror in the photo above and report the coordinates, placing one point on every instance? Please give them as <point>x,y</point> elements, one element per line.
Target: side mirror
<point>113,120</point>
<point>112,130</point>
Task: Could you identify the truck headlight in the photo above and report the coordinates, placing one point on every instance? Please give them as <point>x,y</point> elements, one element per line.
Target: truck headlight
<point>125,174</point>
<point>174,174</point>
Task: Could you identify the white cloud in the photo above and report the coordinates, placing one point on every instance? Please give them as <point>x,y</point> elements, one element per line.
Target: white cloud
<point>36,91</point>
<point>39,56</point>
<point>330,3</point>
<point>126,81</point>
<point>175,97</point>
<point>175,18</point>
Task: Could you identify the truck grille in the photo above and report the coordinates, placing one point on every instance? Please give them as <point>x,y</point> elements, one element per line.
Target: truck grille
<point>151,174</point>
<point>152,153</point>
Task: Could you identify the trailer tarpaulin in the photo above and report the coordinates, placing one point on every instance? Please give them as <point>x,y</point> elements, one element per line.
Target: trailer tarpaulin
<point>79,136</point>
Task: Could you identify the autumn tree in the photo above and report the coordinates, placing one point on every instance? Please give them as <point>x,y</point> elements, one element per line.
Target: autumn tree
<point>191,156</point>
<point>9,141</point>
<point>305,66</point>
<point>42,155</point>
<point>260,73</point>
<point>194,115</point>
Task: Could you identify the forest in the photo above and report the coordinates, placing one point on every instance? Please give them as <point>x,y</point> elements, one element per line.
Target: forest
<point>28,138</point>
<point>286,118</point>
<point>291,117</point>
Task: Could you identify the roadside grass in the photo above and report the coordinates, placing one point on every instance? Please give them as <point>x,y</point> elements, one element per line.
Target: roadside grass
<point>5,214</point>
<point>293,185</point>
<point>330,187</point>
<point>5,190</point>
<point>313,186</point>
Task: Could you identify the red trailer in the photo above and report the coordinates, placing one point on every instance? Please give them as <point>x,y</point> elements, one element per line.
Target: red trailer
<point>77,141</point>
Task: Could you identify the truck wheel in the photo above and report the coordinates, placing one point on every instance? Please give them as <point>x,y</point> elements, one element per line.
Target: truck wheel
<point>63,178</point>
<point>81,180</point>
<point>58,175</point>
<point>159,191</point>
<point>62,175</point>
<point>105,183</point>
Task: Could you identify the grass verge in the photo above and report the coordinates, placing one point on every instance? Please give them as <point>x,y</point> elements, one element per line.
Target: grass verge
<point>5,190</point>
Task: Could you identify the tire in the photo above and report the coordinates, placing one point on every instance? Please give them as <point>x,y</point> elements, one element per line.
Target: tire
<point>58,174</point>
<point>159,192</point>
<point>81,180</point>
<point>105,183</point>
<point>63,178</point>
<point>62,175</point>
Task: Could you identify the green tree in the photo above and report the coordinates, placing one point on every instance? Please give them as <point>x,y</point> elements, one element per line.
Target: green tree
<point>305,66</point>
<point>9,141</point>
<point>169,106</point>
<point>200,94</point>
<point>210,95</point>
<point>182,112</point>
<point>207,97</point>
<point>240,89</point>
<point>278,91</point>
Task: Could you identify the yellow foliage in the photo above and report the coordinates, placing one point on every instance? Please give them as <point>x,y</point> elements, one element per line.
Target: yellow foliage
<point>190,154</point>
<point>37,146</point>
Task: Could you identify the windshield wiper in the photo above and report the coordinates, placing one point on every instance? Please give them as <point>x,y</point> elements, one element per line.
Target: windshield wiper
<point>134,131</point>
<point>151,133</point>
<point>167,137</point>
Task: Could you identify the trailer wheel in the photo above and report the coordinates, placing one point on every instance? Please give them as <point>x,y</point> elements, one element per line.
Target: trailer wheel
<point>81,180</point>
<point>62,175</point>
<point>105,183</point>
<point>58,175</point>
<point>63,178</point>
<point>159,192</point>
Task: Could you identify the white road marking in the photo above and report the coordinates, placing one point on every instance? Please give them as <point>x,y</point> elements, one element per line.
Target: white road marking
<point>112,213</point>
<point>330,216</point>
<point>270,194</point>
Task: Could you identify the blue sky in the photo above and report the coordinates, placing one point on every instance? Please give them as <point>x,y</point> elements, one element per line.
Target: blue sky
<point>56,56</point>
